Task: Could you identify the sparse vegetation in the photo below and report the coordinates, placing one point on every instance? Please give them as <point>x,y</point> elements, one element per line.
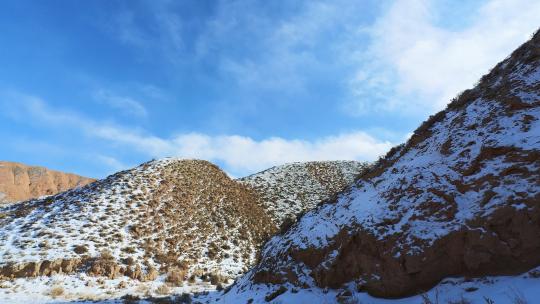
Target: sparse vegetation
<point>80,249</point>
<point>163,290</point>
<point>176,277</point>
<point>56,291</point>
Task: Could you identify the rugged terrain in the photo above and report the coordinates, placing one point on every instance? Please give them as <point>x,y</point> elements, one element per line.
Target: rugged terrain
<point>164,227</point>
<point>183,219</point>
<point>289,190</point>
<point>19,182</point>
<point>460,198</point>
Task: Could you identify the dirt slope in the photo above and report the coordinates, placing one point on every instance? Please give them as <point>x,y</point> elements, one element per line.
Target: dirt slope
<point>19,182</point>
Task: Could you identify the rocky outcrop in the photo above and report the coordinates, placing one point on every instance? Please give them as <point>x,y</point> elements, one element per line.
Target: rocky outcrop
<point>290,190</point>
<point>460,198</point>
<point>20,182</point>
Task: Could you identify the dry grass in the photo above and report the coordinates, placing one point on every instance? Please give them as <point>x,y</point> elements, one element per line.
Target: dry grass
<point>176,277</point>
<point>56,291</point>
<point>163,290</point>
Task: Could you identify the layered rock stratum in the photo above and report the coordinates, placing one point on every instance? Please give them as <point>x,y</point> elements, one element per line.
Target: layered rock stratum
<point>19,182</point>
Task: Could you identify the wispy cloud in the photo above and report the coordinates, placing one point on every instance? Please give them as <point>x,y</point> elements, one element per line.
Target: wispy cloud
<point>406,57</point>
<point>415,63</point>
<point>238,154</point>
<point>125,104</point>
<point>285,52</point>
<point>165,33</point>
<point>110,162</point>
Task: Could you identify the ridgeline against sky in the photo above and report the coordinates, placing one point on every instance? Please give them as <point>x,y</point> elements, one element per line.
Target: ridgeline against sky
<point>96,87</point>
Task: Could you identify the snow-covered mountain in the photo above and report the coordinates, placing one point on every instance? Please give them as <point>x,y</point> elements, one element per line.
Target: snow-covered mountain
<point>460,199</point>
<point>19,182</point>
<point>289,190</point>
<point>181,221</point>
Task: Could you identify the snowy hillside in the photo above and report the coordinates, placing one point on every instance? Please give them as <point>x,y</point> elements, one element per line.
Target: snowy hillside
<point>182,221</point>
<point>289,190</point>
<point>460,198</point>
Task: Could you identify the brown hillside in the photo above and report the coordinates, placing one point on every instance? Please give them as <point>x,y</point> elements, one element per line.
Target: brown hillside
<point>19,182</point>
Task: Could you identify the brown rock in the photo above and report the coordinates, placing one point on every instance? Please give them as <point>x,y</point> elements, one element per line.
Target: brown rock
<point>19,182</point>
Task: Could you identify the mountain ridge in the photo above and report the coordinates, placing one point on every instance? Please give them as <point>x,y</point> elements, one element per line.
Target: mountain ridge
<point>20,182</point>
<point>460,198</point>
<point>287,191</point>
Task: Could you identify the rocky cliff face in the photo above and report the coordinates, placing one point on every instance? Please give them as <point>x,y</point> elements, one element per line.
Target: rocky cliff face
<point>289,190</point>
<point>460,198</point>
<point>20,182</point>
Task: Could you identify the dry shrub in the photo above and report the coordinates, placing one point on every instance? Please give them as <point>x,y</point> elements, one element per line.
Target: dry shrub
<point>129,250</point>
<point>163,289</point>
<point>56,291</point>
<point>129,261</point>
<point>176,277</point>
<point>216,278</point>
<point>80,249</point>
<point>106,254</point>
<point>122,285</point>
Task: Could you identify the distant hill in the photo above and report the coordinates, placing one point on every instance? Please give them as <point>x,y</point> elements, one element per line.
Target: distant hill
<point>19,182</point>
<point>289,190</point>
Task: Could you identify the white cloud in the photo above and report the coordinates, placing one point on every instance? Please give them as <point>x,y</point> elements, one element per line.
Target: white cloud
<point>112,163</point>
<point>244,154</point>
<point>414,62</point>
<point>125,104</point>
<point>238,154</point>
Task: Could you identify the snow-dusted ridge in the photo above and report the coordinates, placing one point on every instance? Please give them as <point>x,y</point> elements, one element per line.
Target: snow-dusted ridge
<point>184,218</point>
<point>461,197</point>
<point>289,190</point>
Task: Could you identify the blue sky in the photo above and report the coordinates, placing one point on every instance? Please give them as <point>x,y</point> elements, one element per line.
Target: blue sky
<point>93,87</point>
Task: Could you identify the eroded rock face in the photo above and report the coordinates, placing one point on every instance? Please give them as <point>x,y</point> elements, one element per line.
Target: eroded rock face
<point>461,197</point>
<point>20,182</point>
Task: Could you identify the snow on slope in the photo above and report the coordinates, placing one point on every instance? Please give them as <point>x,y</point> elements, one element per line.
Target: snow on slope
<point>290,190</point>
<point>179,218</point>
<point>501,290</point>
<point>461,197</point>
